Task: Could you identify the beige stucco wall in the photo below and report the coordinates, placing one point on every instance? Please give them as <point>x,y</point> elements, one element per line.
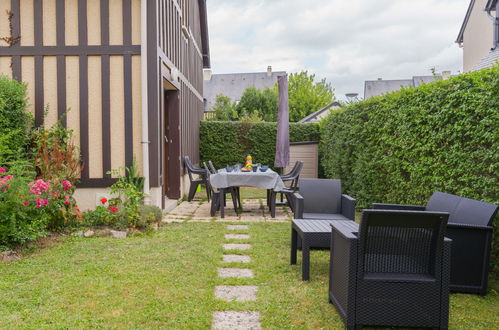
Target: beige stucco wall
<point>477,38</point>
<point>86,196</point>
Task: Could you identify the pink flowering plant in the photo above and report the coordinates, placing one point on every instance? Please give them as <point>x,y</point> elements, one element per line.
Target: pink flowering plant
<point>19,221</point>
<point>29,208</point>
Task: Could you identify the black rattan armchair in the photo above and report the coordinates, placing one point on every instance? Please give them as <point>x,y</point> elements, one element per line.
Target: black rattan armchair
<point>394,271</point>
<point>321,199</point>
<point>470,228</point>
<point>195,182</point>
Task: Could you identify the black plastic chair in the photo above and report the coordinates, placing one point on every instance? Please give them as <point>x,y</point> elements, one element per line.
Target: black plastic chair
<point>217,197</point>
<point>293,176</point>
<point>470,228</point>
<point>213,170</point>
<point>195,182</point>
<point>394,271</point>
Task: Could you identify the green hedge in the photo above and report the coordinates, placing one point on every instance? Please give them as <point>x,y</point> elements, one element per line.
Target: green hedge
<point>15,122</point>
<point>401,147</point>
<point>227,143</point>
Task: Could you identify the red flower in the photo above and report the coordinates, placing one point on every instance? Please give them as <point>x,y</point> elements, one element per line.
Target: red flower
<point>113,209</point>
<point>103,200</point>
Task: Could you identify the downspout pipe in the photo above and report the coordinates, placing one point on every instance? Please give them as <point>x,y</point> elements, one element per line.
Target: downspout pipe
<point>495,20</point>
<point>145,104</point>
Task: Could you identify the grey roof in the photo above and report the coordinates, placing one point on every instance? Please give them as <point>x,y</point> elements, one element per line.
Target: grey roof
<point>488,61</point>
<point>234,84</point>
<point>379,87</point>
<point>314,117</point>
<point>465,22</point>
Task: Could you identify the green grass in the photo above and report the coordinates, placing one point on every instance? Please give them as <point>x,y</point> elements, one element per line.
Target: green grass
<point>166,280</point>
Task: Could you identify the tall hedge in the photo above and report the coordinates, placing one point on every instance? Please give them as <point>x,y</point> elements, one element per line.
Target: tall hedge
<point>227,142</point>
<point>15,122</point>
<point>401,147</point>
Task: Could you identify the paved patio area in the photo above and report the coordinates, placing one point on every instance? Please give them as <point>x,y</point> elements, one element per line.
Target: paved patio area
<point>254,210</point>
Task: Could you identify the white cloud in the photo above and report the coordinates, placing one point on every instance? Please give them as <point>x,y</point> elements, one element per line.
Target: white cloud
<point>346,42</point>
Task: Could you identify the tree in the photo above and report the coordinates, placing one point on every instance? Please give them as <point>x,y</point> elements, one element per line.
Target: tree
<point>306,95</point>
<point>258,103</point>
<point>224,109</point>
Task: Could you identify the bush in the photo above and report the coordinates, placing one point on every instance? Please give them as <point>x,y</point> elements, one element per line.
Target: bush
<point>227,143</point>
<point>401,147</point>
<point>126,209</point>
<point>15,122</point>
<point>19,222</point>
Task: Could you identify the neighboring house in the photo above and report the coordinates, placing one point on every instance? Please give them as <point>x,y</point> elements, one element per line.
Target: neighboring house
<point>131,72</point>
<point>320,114</point>
<point>233,85</point>
<point>479,35</point>
<point>379,87</point>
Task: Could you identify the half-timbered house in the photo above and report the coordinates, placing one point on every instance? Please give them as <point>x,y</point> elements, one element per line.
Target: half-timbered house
<point>129,71</point>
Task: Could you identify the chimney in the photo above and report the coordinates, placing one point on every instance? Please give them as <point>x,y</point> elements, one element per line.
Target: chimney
<point>269,71</point>
<point>380,78</point>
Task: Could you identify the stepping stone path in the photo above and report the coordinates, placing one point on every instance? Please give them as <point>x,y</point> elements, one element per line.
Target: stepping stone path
<point>236,258</point>
<point>237,236</point>
<point>237,246</point>
<point>236,320</point>
<point>236,227</point>
<point>235,272</point>
<point>236,293</point>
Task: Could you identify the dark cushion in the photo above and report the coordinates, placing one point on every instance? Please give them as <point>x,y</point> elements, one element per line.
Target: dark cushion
<point>442,202</point>
<point>463,210</point>
<point>321,195</point>
<point>473,212</point>
<point>324,216</point>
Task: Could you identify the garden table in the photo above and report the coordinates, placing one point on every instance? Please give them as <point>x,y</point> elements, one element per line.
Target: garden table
<point>237,178</point>
<point>312,232</point>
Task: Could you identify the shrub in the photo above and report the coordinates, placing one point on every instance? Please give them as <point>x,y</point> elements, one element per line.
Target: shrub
<point>126,209</point>
<point>400,147</point>
<point>15,122</point>
<point>55,154</point>
<point>227,143</point>
<point>20,221</point>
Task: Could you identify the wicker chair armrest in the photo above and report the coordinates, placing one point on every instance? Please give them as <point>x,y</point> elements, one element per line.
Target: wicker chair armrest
<point>383,206</point>
<point>348,206</point>
<point>299,205</point>
<point>345,232</point>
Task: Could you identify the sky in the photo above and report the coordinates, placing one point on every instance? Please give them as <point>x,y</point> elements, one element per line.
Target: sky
<point>344,41</point>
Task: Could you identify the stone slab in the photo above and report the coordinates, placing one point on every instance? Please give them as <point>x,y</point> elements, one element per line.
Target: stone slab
<point>235,272</point>
<point>236,292</point>
<point>236,320</point>
<point>237,236</point>
<point>237,246</point>
<point>237,227</point>
<point>236,258</point>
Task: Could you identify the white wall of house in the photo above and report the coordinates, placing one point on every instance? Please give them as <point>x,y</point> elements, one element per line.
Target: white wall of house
<point>477,37</point>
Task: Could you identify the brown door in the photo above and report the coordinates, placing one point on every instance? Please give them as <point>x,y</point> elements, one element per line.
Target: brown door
<point>171,149</point>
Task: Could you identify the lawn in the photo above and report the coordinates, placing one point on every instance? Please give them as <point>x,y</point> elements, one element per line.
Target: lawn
<point>166,279</point>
